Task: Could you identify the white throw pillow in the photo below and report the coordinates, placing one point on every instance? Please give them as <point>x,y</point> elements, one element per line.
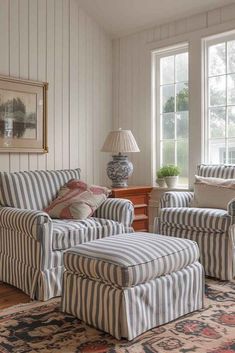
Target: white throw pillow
<point>213,192</point>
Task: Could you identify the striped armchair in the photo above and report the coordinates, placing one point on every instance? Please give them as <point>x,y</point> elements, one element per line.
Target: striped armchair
<point>32,244</point>
<point>212,229</point>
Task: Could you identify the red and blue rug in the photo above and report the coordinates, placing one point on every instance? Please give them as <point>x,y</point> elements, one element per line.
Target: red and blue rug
<point>41,327</point>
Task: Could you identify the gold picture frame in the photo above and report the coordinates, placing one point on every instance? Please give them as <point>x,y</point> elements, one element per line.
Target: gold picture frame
<point>23,115</point>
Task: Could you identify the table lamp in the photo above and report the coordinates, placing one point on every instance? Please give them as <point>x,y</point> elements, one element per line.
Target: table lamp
<point>120,168</point>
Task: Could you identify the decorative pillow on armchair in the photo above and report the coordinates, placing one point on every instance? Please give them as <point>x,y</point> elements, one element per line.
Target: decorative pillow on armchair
<point>213,192</point>
<point>77,200</point>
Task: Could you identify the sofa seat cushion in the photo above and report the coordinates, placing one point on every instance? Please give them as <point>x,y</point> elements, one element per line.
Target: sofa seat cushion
<point>68,233</point>
<point>206,219</point>
<point>132,258</point>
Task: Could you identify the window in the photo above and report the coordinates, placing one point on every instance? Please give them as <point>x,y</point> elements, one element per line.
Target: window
<point>220,100</point>
<point>172,109</point>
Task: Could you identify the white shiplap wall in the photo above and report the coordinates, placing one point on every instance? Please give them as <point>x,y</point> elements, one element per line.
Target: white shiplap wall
<point>132,81</point>
<point>57,42</point>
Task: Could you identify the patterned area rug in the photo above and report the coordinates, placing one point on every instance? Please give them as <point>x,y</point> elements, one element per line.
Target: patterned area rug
<point>40,327</point>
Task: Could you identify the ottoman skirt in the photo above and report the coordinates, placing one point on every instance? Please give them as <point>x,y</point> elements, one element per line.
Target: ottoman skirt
<point>128,312</point>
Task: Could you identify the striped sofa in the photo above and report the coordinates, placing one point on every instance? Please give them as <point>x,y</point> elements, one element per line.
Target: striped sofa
<point>212,229</point>
<point>32,244</point>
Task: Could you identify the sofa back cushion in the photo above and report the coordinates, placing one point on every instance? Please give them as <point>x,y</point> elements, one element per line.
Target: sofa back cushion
<point>216,171</point>
<point>33,190</point>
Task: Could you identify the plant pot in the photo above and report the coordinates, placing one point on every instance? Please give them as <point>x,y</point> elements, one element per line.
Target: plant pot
<point>161,182</point>
<point>171,181</point>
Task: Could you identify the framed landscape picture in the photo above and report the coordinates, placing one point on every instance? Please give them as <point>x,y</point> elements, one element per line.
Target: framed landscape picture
<point>23,115</point>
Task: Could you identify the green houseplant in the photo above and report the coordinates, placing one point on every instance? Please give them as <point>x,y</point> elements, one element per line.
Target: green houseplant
<point>160,179</point>
<point>170,173</point>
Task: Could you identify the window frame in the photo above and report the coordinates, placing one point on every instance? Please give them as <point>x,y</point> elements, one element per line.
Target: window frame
<point>158,55</point>
<point>207,42</point>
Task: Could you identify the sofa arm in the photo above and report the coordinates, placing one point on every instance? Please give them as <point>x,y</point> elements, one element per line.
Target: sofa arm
<point>119,210</point>
<point>29,222</point>
<point>176,199</point>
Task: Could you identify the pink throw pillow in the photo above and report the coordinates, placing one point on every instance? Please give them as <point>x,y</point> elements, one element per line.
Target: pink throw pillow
<point>77,200</point>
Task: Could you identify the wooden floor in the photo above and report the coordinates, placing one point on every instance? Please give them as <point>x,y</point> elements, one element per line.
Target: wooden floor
<point>10,296</point>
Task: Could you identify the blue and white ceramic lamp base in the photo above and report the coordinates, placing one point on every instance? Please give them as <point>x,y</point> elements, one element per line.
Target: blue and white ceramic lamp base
<point>119,170</point>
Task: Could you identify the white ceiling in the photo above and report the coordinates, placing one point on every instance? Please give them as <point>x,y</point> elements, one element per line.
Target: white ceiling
<point>121,17</point>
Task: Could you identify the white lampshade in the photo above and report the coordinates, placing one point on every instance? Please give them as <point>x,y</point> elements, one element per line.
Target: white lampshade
<point>120,141</point>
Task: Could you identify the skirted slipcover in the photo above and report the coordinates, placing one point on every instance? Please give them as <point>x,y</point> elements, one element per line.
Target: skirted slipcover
<point>130,283</point>
<point>213,229</point>
<point>32,244</point>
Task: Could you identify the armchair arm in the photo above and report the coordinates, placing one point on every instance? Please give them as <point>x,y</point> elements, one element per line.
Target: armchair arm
<point>231,209</point>
<point>176,199</point>
<point>28,222</point>
<point>119,210</point>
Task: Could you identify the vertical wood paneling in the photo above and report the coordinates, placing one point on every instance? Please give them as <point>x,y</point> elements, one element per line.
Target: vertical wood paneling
<point>105,106</point>
<point>164,31</point>
<point>42,52</point>
<point>24,59</point>
<point>74,79</point>
<point>33,58</point>
<point>14,37</point>
<point>228,13</point>
<point>4,62</point>
<point>196,22</point>
<point>157,34</point>
<point>213,17</point>
<point>81,136</point>
<point>57,42</point>
<point>180,26</point>
<point>105,109</point>
<point>65,87</point>
<point>89,98</point>
<point>95,102</point>
<point>58,84</point>
<point>14,61</point>
<point>171,29</point>
<point>116,82</point>
<point>50,68</point>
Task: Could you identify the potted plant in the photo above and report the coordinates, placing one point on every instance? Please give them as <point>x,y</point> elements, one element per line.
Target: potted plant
<point>170,173</point>
<point>160,179</point>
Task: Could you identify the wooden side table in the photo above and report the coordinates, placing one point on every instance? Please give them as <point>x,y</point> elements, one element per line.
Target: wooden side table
<point>139,195</point>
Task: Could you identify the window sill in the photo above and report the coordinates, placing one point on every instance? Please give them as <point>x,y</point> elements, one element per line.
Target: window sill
<point>177,188</point>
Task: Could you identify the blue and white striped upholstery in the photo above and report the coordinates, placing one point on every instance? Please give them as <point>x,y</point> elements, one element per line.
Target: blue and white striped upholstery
<point>23,221</point>
<point>212,229</point>
<point>206,219</point>
<point>216,171</point>
<point>33,190</point>
<point>231,208</point>
<point>117,210</point>
<point>68,233</point>
<point>127,292</point>
<point>151,256</point>
<point>32,244</point>
<point>176,199</point>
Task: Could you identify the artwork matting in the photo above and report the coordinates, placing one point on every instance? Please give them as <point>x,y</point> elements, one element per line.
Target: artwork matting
<point>23,115</point>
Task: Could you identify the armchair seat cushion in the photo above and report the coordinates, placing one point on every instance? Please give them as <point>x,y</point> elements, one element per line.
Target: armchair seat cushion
<point>68,233</point>
<point>206,219</point>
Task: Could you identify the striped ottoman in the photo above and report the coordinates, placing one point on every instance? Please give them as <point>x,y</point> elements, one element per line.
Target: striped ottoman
<point>130,283</point>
